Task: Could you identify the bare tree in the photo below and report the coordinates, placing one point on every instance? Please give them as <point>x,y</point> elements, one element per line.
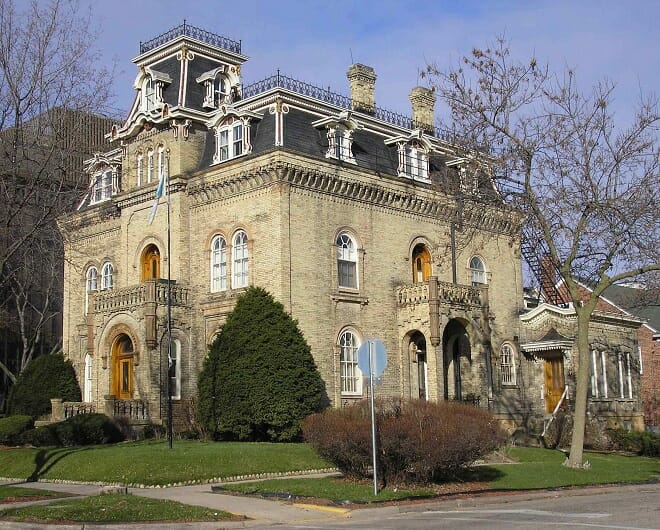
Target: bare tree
<point>52,90</point>
<point>588,186</point>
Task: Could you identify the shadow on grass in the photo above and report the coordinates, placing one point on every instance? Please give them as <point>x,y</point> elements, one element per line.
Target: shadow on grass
<point>473,474</point>
<point>46,459</point>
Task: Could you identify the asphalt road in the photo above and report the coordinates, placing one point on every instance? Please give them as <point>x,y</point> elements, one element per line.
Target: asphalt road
<point>624,507</point>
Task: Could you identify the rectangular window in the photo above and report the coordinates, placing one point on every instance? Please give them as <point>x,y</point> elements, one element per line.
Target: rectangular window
<point>507,366</point>
<point>150,166</point>
<point>346,272</point>
<point>102,186</point>
<point>223,145</point>
<point>238,140</point>
<point>174,371</point>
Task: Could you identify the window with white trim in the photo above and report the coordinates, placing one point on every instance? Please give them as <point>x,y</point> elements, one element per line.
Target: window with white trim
<point>106,276</point>
<point>477,271</point>
<point>218,264</point>
<point>415,161</point>
<point>239,260</point>
<point>91,285</point>
<point>625,378</point>
<point>150,165</point>
<point>89,378</point>
<point>347,261</point>
<point>161,161</point>
<point>148,94</point>
<point>598,374</point>
<point>350,374</point>
<point>140,168</point>
<point>340,143</point>
<point>508,364</point>
<point>174,369</point>
<point>230,140</point>
<point>103,184</point>
<point>216,92</point>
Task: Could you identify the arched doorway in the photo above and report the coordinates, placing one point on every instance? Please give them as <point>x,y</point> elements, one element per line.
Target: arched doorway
<point>122,367</point>
<point>150,263</point>
<point>421,263</point>
<point>458,359</point>
<point>420,371</point>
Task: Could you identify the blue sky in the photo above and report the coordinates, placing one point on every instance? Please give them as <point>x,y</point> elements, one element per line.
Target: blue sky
<point>316,41</point>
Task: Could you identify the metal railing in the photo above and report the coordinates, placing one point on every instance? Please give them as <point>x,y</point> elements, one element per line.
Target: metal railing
<point>322,94</point>
<point>196,33</point>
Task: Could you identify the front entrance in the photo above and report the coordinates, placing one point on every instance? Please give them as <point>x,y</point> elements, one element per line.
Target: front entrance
<point>122,367</point>
<point>554,382</point>
<point>420,365</point>
<point>458,360</point>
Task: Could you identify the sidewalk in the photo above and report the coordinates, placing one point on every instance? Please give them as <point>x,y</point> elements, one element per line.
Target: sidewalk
<point>261,512</point>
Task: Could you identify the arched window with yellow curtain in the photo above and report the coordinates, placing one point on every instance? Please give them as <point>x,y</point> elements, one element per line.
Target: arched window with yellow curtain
<point>150,263</point>
<point>421,263</point>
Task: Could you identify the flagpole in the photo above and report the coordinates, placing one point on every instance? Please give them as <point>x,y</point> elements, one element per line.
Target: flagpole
<point>169,313</point>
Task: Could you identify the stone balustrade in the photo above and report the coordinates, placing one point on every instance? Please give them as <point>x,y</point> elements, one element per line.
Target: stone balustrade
<point>112,300</point>
<point>448,293</point>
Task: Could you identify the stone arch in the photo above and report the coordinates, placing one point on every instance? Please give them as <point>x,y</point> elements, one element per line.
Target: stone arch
<point>416,355</point>
<point>457,349</point>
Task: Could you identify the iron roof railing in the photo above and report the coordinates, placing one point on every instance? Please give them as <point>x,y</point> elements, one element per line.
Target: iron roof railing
<point>187,30</point>
<point>300,87</point>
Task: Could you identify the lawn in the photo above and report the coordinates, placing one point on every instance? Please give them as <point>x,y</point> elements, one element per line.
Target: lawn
<point>19,494</point>
<point>153,463</point>
<point>113,508</point>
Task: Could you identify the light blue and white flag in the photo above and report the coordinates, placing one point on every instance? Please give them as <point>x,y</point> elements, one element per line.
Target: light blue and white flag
<point>160,191</point>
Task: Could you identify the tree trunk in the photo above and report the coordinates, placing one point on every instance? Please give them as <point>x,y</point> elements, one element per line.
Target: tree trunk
<point>581,370</point>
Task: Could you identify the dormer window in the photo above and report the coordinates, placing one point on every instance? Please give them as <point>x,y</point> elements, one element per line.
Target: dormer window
<point>107,182</point>
<point>151,83</point>
<point>232,133</point>
<point>413,151</point>
<point>219,86</point>
<point>340,136</point>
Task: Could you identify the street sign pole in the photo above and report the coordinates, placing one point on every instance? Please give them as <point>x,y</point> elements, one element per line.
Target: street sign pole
<point>373,415</point>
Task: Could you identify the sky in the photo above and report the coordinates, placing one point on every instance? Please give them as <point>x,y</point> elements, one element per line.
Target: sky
<point>316,41</point>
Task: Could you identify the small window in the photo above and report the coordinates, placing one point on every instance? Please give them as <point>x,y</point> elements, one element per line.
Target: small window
<point>89,378</point>
<point>161,161</point>
<point>148,94</point>
<point>340,143</point>
<point>240,260</point>
<point>151,263</point>
<point>625,379</point>
<point>106,276</point>
<point>477,271</point>
<point>599,388</point>
<point>174,370</point>
<point>351,377</point>
<point>140,169</point>
<point>508,364</point>
<point>346,262</point>
<point>218,264</point>
<point>150,165</point>
<point>415,162</point>
<point>91,285</point>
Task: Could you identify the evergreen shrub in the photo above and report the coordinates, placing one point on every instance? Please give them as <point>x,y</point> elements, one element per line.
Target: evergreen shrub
<point>259,379</point>
<point>83,429</point>
<point>643,443</point>
<point>12,427</point>
<point>44,378</point>
<point>417,441</point>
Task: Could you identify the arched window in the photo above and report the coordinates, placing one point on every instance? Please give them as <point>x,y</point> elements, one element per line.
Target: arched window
<point>508,364</point>
<point>347,261</point>
<point>122,367</point>
<point>218,264</point>
<point>150,263</point>
<point>140,169</point>
<point>229,139</point>
<point>477,271</point>
<point>148,94</point>
<point>350,375</point>
<point>89,377</point>
<point>91,285</point>
<point>421,263</point>
<point>106,276</point>
<point>161,162</point>
<point>240,260</point>
<point>150,165</point>
<point>174,369</point>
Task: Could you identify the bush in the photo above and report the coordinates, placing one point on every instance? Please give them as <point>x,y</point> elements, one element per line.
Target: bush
<point>417,441</point>
<point>46,377</point>
<point>84,429</point>
<point>259,379</point>
<point>12,427</point>
<point>643,443</point>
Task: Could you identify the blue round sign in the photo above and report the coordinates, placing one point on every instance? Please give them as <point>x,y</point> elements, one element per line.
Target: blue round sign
<point>376,350</point>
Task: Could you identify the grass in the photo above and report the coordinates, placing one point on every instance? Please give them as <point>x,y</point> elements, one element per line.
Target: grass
<point>330,488</point>
<point>17,494</point>
<point>153,463</point>
<point>113,508</point>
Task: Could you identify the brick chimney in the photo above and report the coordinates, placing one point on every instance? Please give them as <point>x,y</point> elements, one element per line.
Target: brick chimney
<point>423,103</point>
<point>362,80</point>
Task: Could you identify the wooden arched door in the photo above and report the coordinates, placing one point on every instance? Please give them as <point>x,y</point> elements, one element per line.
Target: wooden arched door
<point>421,264</point>
<point>122,367</point>
<point>150,263</point>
